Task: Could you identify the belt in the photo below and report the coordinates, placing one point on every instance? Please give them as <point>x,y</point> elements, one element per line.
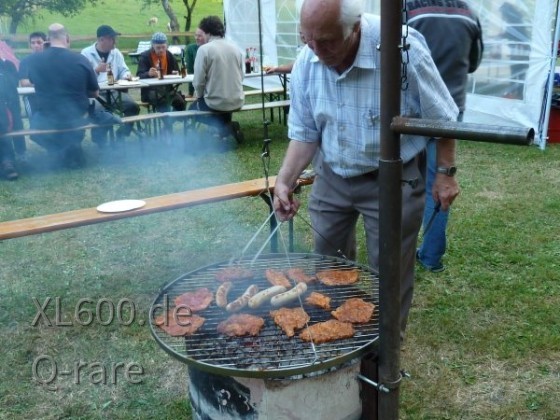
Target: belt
<point>373,174</point>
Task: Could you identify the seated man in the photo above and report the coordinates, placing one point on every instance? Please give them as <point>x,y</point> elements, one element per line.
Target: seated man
<point>218,77</point>
<point>64,83</point>
<point>10,117</point>
<point>101,55</point>
<point>36,44</point>
<point>150,63</point>
<point>191,54</point>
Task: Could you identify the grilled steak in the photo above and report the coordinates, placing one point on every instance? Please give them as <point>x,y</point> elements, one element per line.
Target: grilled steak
<point>354,310</point>
<point>175,324</point>
<point>298,275</point>
<point>290,319</point>
<point>330,330</point>
<point>338,277</point>
<point>233,274</point>
<point>197,301</point>
<point>241,324</point>
<point>277,278</point>
<point>319,300</point>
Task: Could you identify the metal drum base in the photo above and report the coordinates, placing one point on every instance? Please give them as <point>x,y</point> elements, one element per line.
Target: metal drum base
<point>333,395</point>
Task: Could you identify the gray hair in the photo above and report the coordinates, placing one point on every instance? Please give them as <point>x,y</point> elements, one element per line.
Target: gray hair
<point>351,12</point>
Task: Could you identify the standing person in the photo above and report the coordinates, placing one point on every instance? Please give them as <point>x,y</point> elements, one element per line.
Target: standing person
<point>150,63</point>
<point>64,83</point>
<point>36,44</point>
<point>10,117</point>
<point>334,121</point>
<point>454,36</point>
<point>218,77</point>
<point>102,55</point>
<point>191,54</point>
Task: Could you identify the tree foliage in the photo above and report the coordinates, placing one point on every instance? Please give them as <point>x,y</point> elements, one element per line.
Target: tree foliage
<point>20,10</point>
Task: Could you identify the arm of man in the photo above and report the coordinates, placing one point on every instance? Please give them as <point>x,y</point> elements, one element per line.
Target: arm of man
<point>144,66</point>
<point>445,188</point>
<point>298,156</point>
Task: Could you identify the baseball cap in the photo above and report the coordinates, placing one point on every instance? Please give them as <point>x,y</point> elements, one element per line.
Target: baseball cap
<point>159,38</point>
<point>106,30</point>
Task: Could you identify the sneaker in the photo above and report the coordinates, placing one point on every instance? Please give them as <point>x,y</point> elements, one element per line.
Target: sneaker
<point>237,133</point>
<point>9,170</point>
<point>434,269</point>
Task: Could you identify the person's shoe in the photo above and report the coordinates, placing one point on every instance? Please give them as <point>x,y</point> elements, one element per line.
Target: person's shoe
<point>237,133</point>
<point>9,170</point>
<point>434,269</point>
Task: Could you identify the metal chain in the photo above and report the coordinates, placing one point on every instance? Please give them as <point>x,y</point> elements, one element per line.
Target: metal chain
<point>404,47</point>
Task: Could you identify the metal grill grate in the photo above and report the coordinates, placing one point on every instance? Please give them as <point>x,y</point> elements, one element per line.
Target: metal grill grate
<point>271,354</point>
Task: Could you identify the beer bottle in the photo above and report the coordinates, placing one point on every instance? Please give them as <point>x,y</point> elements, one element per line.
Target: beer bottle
<point>110,75</point>
<point>159,70</point>
<point>247,62</point>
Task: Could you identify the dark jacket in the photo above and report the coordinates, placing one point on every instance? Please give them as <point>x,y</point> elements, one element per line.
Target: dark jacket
<point>9,98</point>
<point>144,65</point>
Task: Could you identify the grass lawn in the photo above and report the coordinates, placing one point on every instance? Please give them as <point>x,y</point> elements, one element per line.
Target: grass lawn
<point>483,339</point>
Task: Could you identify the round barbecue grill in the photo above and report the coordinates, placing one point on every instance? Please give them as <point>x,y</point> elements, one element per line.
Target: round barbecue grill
<point>271,354</point>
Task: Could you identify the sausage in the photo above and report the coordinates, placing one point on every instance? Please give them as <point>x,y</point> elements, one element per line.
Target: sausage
<point>222,292</point>
<point>288,296</point>
<point>242,301</point>
<point>265,295</point>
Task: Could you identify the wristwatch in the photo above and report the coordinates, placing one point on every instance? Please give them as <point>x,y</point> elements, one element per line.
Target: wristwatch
<point>449,171</point>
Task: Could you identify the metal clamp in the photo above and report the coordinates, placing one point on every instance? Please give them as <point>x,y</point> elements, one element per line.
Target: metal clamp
<point>388,387</point>
<point>412,182</point>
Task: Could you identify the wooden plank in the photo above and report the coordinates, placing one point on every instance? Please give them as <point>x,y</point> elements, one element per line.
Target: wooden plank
<point>150,116</point>
<point>82,217</point>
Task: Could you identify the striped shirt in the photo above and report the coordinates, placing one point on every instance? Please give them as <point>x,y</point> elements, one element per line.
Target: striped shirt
<point>342,111</point>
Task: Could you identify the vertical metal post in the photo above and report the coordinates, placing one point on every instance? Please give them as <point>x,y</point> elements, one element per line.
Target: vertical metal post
<point>390,205</point>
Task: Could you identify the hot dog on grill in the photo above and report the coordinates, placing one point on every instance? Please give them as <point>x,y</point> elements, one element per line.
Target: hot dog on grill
<point>242,301</point>
<point>265,296</point>
<point>222,292</point>
<point>288,296</point>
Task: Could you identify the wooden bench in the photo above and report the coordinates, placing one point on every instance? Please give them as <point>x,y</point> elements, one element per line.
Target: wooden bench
<point>142,46</point>
<point>83,217</point>
<point>151,116</point>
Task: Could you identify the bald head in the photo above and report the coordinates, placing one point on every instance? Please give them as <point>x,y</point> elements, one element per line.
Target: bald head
<point>58,36</point>
<point>331,28</point>
<point>347,13</point>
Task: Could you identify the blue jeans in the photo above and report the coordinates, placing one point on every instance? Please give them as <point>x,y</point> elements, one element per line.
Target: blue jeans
<point>434,243</point>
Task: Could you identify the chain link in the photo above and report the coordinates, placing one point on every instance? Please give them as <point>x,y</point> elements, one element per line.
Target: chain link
<point>405,59</point>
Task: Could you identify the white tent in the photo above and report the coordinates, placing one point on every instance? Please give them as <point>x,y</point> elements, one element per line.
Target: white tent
<point>511,88</point>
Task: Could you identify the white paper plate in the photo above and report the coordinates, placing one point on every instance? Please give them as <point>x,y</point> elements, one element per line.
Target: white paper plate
<point>120,206</point>
<point>128,83</point>
<point>172,76</point>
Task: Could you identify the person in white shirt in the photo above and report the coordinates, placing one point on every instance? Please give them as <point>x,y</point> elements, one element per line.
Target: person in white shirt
<point>102,54</point>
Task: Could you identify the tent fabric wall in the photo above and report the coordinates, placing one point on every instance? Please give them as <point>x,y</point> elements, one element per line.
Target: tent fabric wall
<point>509,89</point>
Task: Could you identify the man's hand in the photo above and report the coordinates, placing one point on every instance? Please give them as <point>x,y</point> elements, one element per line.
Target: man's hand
<point>153,72</point>
<point>445,190</point>
<point>101,67</point>
<point>285,205</point>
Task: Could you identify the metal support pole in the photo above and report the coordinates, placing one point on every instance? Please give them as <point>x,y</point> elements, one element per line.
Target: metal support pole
<point>390,205</point>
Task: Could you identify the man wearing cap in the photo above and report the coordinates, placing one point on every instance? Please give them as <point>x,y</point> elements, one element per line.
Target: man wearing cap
<point>149,64</point>
<point>102,54</point>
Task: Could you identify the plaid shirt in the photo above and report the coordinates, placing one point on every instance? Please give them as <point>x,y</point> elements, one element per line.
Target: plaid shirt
<point>342,111</point>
